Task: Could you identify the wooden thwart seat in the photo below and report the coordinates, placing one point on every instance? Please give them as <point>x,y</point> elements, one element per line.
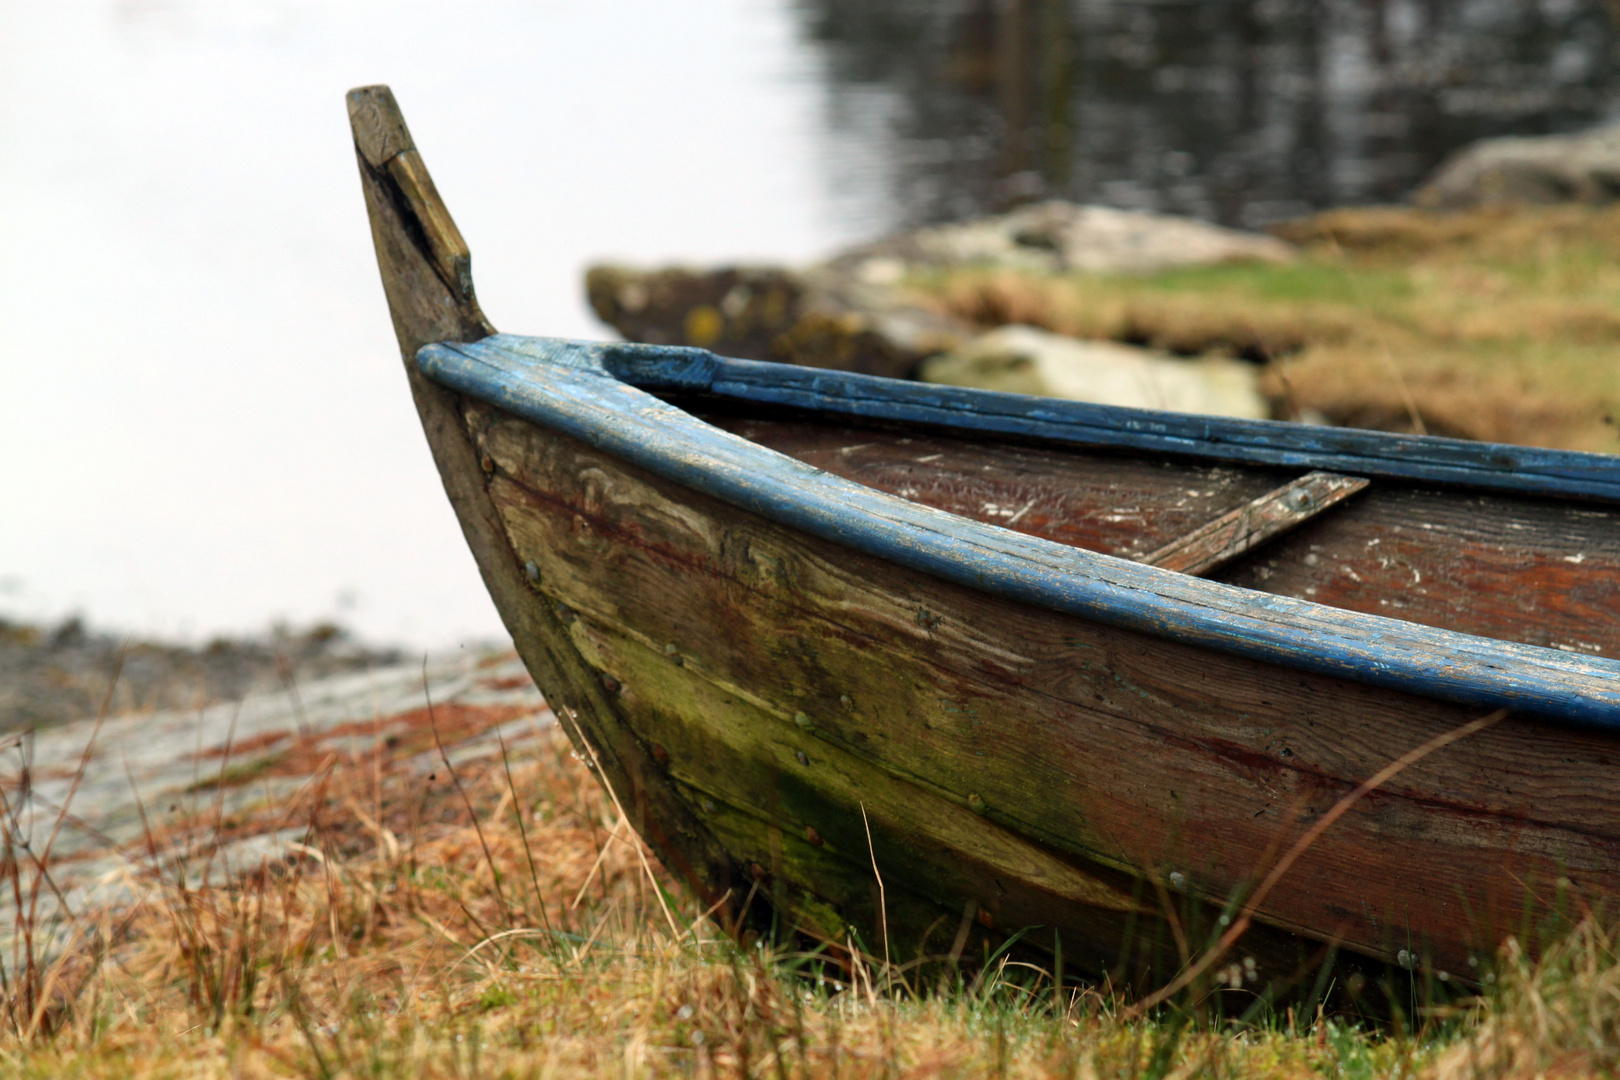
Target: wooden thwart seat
<point>1211,546</point>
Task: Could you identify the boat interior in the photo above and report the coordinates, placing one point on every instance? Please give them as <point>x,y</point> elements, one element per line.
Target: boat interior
<point>1539,570</point>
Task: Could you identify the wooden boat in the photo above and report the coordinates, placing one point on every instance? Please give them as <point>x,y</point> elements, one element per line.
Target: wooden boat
<point>1080,673</point>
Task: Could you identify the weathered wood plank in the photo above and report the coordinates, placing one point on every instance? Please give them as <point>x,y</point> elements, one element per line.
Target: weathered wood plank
<point>1379,455</point>
<point>1500,566</point>
<point>717,719</point>
<point>864,398</point>
<point>791,804</point>
<point>1119,504</point>
<point>1237,532</point>
<point>1131,751</point>
<point>1540,572</point>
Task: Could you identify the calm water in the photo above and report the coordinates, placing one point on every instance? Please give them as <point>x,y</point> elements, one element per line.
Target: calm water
<point>1242,111</point>
<point>202,423</point>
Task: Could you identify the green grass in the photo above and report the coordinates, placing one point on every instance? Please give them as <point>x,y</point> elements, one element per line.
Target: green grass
<point>417,945</point>
<point>1305,281</point>
<point>238,773</point>
<point>1500,325</point>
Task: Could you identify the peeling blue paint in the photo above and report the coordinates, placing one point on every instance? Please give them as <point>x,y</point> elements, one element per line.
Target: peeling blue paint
<point>1495,466</point>
<point>594,392</point>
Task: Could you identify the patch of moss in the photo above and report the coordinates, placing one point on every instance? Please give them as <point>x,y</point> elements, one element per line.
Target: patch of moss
<point>1501,325</point>
<point>238,773</point>
<point>1306,280</point>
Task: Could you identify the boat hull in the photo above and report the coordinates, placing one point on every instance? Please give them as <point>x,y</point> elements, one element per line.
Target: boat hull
<point>906,731</point>
<point>1023,766</point>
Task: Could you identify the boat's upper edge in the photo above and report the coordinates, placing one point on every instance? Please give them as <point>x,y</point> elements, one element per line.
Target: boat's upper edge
<point>1525,469</point>
<point>585,390</point>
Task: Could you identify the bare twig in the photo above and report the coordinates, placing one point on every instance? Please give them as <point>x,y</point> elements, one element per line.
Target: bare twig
<point>433,722</point>
<point>1311,835</point>
<point>646,868</point>
<point>601,855</point>
<point>883,900</point>
<point>523,830</point>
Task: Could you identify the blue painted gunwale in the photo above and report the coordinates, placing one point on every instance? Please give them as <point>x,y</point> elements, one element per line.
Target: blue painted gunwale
<point>1497,466</point>
<point>588,390</point>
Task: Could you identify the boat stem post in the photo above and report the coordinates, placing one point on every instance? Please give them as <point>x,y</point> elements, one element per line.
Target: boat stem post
<point>427,275</point>
<point>412,229</point>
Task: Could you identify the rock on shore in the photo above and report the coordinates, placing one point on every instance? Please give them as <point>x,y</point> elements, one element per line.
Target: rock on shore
<point>816,316</point>
<point>69,671</point>
<point>146,801</point>
<point>852,312</point>
<point>1025,360</point>
<point>1581,168</point>
<point>1057,236</point>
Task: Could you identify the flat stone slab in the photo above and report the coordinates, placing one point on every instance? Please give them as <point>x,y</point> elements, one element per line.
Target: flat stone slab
<point>1583,168</point>
<point>852,311</point>
<point>1026,360</point>
<point>1057,236</point>
<point>133,803</point>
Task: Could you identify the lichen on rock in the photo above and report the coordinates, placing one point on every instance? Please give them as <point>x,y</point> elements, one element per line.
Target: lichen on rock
<point>854,312</point>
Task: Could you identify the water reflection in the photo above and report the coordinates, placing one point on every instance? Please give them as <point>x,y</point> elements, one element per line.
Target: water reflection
<point>1241,111</point>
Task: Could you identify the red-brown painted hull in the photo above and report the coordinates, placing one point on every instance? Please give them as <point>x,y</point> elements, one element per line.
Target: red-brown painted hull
<point>782,682</point>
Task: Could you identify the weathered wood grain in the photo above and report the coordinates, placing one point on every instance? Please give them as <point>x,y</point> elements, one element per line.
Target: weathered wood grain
<point>1132,752</point>
<point>1374,454</point>
<point>1238,532</point>
<point>1537,571</point>
<point>1120,504</point>
<point>426,277</point>
<point>792,806</point>
<point>1541,572</point>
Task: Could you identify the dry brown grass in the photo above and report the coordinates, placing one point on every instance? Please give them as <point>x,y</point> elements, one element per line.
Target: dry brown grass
<point>1556,1016</point>
<point>499,923</point>
<point>1500,324</point>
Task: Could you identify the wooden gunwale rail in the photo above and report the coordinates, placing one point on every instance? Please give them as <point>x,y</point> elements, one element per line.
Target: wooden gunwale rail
<point>568,386</point>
